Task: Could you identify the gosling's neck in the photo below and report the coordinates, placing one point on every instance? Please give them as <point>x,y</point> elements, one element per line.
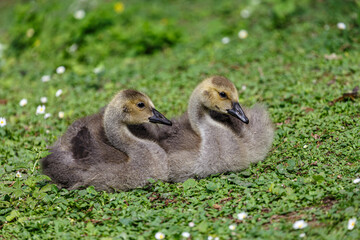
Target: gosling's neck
<point>120,136</point>
<point>197,112</point>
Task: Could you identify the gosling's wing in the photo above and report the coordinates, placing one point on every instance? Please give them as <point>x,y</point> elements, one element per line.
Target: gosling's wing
<point>179,137</point>
<point>257,136</point>
<point>259,133</point>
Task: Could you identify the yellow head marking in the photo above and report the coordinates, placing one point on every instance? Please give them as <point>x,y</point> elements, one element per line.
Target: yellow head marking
<point>218,93</point>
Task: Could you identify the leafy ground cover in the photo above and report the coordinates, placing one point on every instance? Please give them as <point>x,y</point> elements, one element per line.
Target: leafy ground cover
<point>295,57</point>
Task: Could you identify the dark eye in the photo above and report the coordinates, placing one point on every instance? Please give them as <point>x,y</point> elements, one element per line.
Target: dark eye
<point>222,94</point>
<point>140,105</point>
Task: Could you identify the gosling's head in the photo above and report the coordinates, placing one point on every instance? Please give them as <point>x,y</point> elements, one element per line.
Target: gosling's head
<point>132,107</point>
<point>220,94</point>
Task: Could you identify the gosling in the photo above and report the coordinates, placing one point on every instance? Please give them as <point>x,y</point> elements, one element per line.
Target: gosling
<point>216,135</point>
<point>110,150</point>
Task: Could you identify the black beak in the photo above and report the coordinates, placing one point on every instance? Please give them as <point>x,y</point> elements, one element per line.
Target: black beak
<point>159,118</point>
<point>237,112</point>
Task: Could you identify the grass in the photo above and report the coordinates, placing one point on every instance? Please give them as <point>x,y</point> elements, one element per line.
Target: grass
<point>164,49</point>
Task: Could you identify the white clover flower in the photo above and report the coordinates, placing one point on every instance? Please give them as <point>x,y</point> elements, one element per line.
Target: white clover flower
<point>243,87</point>
<point>23,102</point>
<point>305,146</point>
<point>2,48</point>
<point>60,70</point>
<point>185,234</point>
<point>225,40</point>
<point>159,235</point>
<point>58,93</point>
<point>302,235</point>
<point>216,238</point>
<point>79,14</point>
<point>245,13</point>
<point>18,174</point>
<point>232,227</point>
<point>356,180</point>
<point>2,122</point>
<point>40,109</point>
<point>210,238</point>
<point>47,115</point>
<point>191,224</point>
<point>243,34</point>
<point>351,223</point>
<point>61,114</point>
<point>98,69</point>
<point>73,48</point>
<point>45,78</point>
<point>241,216</point>
<point>47,131</point>
<point>341,26</point>
<point>30,32</point>
<point>300,224</point>
<point>43,99</point>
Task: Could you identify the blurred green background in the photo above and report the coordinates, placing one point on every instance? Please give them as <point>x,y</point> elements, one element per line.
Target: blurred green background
<point>294,56</point>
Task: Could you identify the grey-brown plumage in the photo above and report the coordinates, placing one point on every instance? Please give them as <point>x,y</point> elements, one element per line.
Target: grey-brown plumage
<point>216,135</point>
<point>110,150</point>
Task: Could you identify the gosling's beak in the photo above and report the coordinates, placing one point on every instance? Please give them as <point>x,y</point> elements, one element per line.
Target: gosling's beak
<point>237,112</point>
<point>159,118</point>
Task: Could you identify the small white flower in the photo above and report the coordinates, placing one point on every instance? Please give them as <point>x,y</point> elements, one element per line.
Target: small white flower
<point>243,87</point>
<point>302,235</point>
<point>2,122</point>
<point>351,223</point>
<point>18,174</point>
<point>45,78</point>
<point>191,224</point>
<point>356,180</point>
<point>232,227</point>
<point>305,146</point>
<point>210,238</point>
<point>185,234</point>
<point>243,34</point>
<point>40,109</point>
<point>300,224</point>
<point>43,99</point>
<point>159,235</point>
<point>98,69</point>
<point>61,114</point>
<point>47,131</point>
<point>47,115</point>
<point>341,26</point>
<point>79,14</point>
<point>58,93</point>
<point>241,216</point>
<point>60,70</point>
<point>225,40</point>
<point>245,13</point>
<point>73,48</point>
<point>23,102</point>
<point>30,32</point>
<point>217,238</point>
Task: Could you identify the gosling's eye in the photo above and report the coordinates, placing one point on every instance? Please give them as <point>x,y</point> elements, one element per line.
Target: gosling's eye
<point>141,104</point>
<point>222,94</point>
